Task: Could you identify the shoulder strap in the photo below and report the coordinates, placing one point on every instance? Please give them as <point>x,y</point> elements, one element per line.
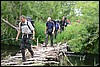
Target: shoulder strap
<point>29,27</point>
<point>20,24</point>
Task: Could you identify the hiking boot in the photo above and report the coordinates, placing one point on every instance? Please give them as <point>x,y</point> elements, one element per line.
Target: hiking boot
<point>24,60</point>
<point>51,45</point>
<point>44,45</point>
<point>32,55</point>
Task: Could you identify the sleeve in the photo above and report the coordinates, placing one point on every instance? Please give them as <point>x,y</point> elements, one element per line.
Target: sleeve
<point>29,23</point>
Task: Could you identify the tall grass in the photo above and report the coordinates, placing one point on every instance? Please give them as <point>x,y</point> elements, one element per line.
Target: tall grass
<point>40,28</point>
<point>73,36</point>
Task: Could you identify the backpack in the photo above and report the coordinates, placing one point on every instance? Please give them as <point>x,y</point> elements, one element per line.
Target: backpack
<point>57,26</point>
<point>30,19</point>
<point>32,22</point>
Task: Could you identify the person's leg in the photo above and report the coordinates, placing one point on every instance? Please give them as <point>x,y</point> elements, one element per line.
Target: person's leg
<point>55,34</point>
<point>51,38</point>
<point>46,40</point>
<point>61,30</point>
<point>22,47</point>
<point>28,45</point>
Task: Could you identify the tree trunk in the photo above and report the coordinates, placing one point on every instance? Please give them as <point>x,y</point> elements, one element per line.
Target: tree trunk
<point>20,8</point>
<point>10,24</point>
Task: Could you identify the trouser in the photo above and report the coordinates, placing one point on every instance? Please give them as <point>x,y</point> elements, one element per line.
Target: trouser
<point>61,29</point>
<point>56,32</point>
<point>51,38</point>
<point>25,44</point>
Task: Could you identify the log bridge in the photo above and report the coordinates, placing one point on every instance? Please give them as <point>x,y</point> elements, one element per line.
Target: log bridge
<point>42,56</point>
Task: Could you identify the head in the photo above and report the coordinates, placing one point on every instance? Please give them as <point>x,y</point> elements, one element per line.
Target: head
<point>22,18</point>
<point>64,18</point>
<point>49,19</point>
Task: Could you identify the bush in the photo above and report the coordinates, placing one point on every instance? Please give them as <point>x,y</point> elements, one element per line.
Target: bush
<point>73,36</point>
<point>40,28</point>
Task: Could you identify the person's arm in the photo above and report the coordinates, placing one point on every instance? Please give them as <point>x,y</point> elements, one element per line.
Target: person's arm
<point>59,27</point>
<point>33,34</point>
<point>18,32</point>
<point>53,28</point>
<point>17,35</point>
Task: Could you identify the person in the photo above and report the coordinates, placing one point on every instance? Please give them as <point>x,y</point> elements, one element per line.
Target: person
<point>49,31</point>
<point>62,24</point>
<point>26,36</point>
<point>67,22</point>
<point>78,20</point>
<point>57,28</point>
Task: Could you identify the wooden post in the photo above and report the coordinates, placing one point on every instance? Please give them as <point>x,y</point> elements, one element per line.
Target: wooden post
<point>37,41</point>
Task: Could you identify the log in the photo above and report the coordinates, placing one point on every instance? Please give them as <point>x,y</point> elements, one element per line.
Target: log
<point>54,62</point>
<point>15,57</point>
<point>36,58</point>
<point>10,24</point>
<point>23,65</point>
<point>11,63</point>
<point>27,62</point>
<point>42,55</point>
<point>4,61</point>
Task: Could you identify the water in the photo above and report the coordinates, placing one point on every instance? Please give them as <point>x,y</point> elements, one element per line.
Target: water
<point>7,50</point>
<point>80,60</point>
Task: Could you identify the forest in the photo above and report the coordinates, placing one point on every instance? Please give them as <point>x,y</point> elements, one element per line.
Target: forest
<point>82,37</point>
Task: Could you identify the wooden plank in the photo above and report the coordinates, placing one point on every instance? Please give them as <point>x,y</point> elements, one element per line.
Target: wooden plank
<point>11,63</point>
<point>4,61</point>
<point>18,54</point>
<point>15,57</point>
<point>27,62</point>
<point>51,62</point>
<point>23,65</point>
<point>36,58</point>
<point>36,55</point>
<point>38,61</point>
<point>37,64</point>
<point>2,64</point>
<point>50,56</point>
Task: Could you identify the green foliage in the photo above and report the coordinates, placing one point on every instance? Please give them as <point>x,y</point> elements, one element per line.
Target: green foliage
<point>83,37</point>
<point>40,29</point>
<point>73,34</point>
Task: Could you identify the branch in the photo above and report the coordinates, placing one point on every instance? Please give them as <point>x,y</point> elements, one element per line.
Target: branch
<point>10,24</point>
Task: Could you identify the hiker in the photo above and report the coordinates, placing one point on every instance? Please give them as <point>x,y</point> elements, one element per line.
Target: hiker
<point>57,28</point>
<point>62,24</point>
<point>67,22</point>
<point>78,20</point>
<point>26,36</point>
<point>49,31</point>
